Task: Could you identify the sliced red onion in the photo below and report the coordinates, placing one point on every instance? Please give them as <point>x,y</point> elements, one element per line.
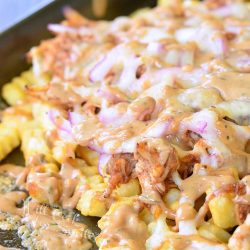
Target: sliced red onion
<point>66,126</point>
<point>172,57</point>
<point>158,129</point>
<point>216,43</point>
<point>52,114</point>
<point>128,74</point>
<point>128,146</point>
<point>152,34</point>
<point>155,48</point>
<point>199,122</point>
<point>102,67</point>
<point>219,46</point>
<point>186,58</point>
<point>189,79</point>
<point>240,60</point>
<point>93,74</point>
<point>201,126</point>
<point>236,27</point>
<point>169,76</point>
<point>237,10</point>
<point>66,136</point>
<point>59,28</point>
<point>115,115</point>
<point>75,118</point>
<point>179,57</point>
<point>223,11</point>
<point>185,35</point>
<point>197,126</point>
<point>102,163</point>
<point>60,122</point>
<point>110,96</point>
<point>109,115</point>
<point>94,147</point>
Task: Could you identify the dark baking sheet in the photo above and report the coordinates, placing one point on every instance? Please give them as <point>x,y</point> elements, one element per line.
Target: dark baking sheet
<point>16,41</point>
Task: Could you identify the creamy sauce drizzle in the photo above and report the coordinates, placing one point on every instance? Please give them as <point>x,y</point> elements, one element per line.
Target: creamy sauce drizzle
<point>53,230</point>
<point>125,228</point>
<point>226,84</point>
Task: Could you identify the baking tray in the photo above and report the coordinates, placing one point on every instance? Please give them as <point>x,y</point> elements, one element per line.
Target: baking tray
<point>16,42</point>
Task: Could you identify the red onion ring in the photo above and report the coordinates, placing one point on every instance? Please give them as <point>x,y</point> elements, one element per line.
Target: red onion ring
<point>102,163</point>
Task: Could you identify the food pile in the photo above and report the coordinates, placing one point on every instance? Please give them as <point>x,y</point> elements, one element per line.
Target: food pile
<point>143,121</point>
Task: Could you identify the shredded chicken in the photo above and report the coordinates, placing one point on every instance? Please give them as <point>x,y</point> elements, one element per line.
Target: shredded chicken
<point>120,168</point>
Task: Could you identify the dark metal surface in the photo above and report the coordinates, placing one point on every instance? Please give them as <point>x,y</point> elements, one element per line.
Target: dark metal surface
<point>16,42</point>
<point>10,239</point>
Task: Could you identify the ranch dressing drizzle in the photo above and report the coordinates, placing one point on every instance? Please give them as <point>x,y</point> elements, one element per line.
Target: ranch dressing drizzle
<point>226,83</point>
<point>125,228</point>
<point>54,231</point>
